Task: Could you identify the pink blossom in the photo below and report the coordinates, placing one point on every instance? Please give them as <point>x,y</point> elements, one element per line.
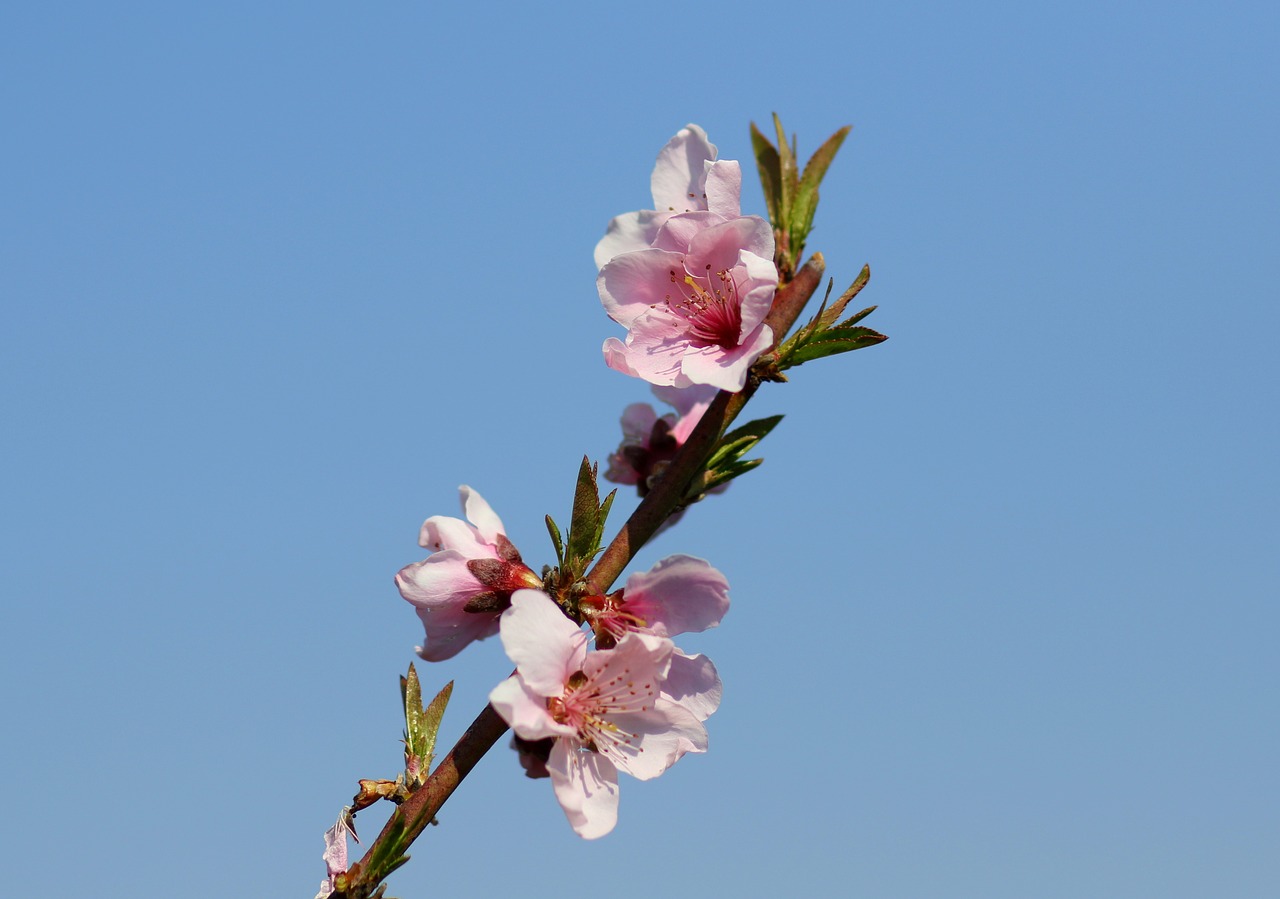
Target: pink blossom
<point>679,595</point>
<point>603,708</point>
<point>461,589</point>
<point>686,178</point>
<point>650,442</point>
<point>694,302</point>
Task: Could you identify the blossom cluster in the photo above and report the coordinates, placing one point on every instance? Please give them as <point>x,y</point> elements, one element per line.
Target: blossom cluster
<point>599,685</point>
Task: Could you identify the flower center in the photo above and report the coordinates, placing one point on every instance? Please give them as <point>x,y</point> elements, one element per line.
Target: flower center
<point>711,306</point>
<point>587,705</point>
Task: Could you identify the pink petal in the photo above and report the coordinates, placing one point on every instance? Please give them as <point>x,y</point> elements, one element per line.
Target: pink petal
<point>615,356</point>
<point>665,733</point>
<point>442,532</point>
<point>480,514</point>
<point>719,245</point>
<point>628,233</point>
<point>586,785</point>
<point>545,645</point>
<point>638,420</point>
<point>677,180</point>
<point>679,595</point>
<point>629,284</point>
<point>725,369</point>
<point>693,682</point>
<point>757,284</point>
<point>656,346</point>
<point>724,187</point>
<point>678,231</point>
<point>525,710</point>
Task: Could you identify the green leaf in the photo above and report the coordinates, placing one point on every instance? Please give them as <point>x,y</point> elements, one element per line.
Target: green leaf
<point>789,175</point>
<point>585,526</point>
<point>739,441</point>
<point>806,199</point>
<point>556,540</point>
<point>770,167</point>
<point>420,725</point>
<point>837,308</point>
<point>604,516</point>
<point>728,473</point>
<point>836,340</point>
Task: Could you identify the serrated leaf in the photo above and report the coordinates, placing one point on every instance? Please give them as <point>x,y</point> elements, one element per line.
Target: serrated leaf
<point>420,724</point>
<point>585,524</point>
<point>556,540</point>
<point>836,340</point>
<point>857,317</point>
<point>432,716</point>
<point>806,332</point>
<point>769,164</point>
<point>806,199</point>
<point>838,307</point>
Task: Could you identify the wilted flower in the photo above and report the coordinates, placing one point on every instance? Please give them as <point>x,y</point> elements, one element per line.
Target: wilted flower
<point>462,588</point>
<point>604,709</point>
<point>335,851</point>
<point>649,442</point>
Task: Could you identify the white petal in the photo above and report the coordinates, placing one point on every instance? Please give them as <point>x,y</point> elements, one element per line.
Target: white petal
<point>545,645</point>
<point>478,513</point>
<point>586,785</point>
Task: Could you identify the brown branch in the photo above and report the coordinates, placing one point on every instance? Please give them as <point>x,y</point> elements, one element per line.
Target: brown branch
<point>668,494</point>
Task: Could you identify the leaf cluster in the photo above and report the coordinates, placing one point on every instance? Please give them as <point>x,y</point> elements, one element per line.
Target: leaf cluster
<point>824,335</point>
<point>790,195</point>
<point>725,462</point>
<point>586,526</point>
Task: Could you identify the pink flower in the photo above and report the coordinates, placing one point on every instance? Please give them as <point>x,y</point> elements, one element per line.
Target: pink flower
<point>694,303</point>
<point>679,595</point>
<point>649,443</point>
<point>603,709</point>
<point>686,178</point>
<point>461,590</point>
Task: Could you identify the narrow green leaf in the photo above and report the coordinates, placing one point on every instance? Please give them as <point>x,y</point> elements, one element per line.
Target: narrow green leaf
<point>806,333</point>
<point>838,307</point>
<point>727,474</point>
<point>737,443</point>
<point>556,540</point>
<point>758,428</point>
<point>586,513</point>
<point>837,340</point>
<point>806,201</point>
<point>789,174</point>
<point>770,167</point>
<point>604,516</point>
<point>414,720</point>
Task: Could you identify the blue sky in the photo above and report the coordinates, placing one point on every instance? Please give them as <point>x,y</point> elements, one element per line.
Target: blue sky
<point>277,278</point>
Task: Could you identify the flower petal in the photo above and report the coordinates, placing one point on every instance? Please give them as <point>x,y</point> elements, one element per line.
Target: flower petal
<point>631,283</point>
<point>545,645</point>
<point>693,682</point>
<point>525,710</point>
<point>719,245</point>
<point>664,733</point>
<point>679,174</point>
<point>724,187</point>
<point>679,595</point>
<point>586,785</point>
<point>627,233</point>
<point>726,369</point>
<point>480,514</point>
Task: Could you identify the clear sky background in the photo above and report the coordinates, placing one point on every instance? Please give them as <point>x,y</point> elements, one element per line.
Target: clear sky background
<point>276,278</point>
